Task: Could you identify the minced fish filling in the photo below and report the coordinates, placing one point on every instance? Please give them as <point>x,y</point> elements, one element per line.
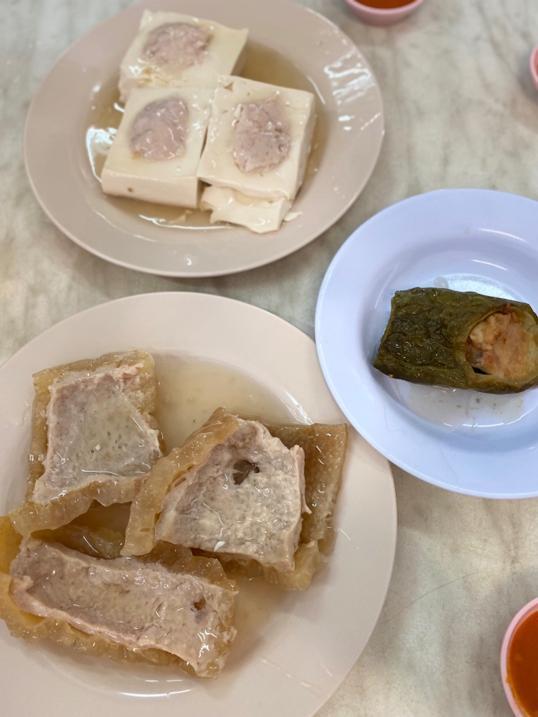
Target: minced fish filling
<point>159,131</point>
<point>499,346</point>
<point>261,136</point>
<point>176,43</point>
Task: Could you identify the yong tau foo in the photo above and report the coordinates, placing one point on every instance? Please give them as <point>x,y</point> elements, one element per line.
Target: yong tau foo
<point>236,498</point>
<point>196,135</point>
<point>172,49</point>
<point>461,340</point>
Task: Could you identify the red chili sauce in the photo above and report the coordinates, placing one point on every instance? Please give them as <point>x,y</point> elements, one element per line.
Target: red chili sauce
<point>523,664</point>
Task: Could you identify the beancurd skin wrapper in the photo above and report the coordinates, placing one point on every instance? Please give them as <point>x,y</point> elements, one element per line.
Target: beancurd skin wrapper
<point>324,447</point>
<point>145,509</point>
<point>426,335</point>
<point>28,626</point>
<point>32,516</point>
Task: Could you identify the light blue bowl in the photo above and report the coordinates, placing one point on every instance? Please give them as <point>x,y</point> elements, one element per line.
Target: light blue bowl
<point>464,239</point>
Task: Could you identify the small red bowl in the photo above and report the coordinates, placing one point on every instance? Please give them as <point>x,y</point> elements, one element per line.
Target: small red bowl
<point>521,616</point>
<point>382,16</point>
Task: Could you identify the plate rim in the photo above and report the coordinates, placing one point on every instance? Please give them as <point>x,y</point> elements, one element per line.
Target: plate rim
<point>374,440</point>
<point>391,531</point>
<point>183,273</point>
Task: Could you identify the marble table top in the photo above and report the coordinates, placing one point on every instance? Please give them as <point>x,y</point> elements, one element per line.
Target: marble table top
<point>460,112</point>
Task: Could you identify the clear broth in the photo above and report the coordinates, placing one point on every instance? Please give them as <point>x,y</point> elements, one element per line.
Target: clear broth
<point>262,64</point>
<point>190,389</point>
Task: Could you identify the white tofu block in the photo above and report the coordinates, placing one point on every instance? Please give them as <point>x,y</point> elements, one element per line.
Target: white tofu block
<point>171,180</point>
<point>258,215</point>
<point>219,165</point>
<point>174,49</point>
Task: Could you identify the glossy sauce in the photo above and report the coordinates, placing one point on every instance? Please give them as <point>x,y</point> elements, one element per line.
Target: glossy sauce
<point>263,65</point>
<point>385,4</point>
<point>523,664</point>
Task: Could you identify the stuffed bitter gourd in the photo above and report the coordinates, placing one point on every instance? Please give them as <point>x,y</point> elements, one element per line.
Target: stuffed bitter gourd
<point>461,340</point>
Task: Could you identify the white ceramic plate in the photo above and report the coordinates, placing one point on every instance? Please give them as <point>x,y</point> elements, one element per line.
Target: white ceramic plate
<point>351,120</point>
<point>297,652</point>
<point>467,240</point>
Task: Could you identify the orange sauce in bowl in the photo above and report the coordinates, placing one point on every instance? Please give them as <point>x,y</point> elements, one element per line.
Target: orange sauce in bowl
<point>385,4</point>
<point>523,664</point>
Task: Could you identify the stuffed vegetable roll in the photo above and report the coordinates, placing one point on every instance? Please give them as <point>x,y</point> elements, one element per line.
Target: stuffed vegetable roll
<point>461,340</point>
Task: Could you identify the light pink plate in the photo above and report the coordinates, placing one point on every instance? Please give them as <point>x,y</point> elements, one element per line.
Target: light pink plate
<point>62,179</point>
<point>292,649</point>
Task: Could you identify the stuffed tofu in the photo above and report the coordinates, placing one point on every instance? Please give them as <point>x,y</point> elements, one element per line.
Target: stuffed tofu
<point>157,148</point>
<point>259,140</point>
<point>173,49</point>
<point>461,340</point>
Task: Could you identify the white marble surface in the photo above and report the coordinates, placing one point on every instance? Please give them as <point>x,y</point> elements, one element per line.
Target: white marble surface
<point>460,111</point>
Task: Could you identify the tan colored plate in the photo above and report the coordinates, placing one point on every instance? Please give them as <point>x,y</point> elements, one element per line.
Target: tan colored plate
<point>61,177</point>
<point>292,649</point>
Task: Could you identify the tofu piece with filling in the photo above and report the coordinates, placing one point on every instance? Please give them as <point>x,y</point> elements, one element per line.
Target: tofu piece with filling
<point>245,500</point>
<point>259,139</point>
<point>135,603</point>
<point>171,49</point>
<point>258,215</point>
<point>157,147</point>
